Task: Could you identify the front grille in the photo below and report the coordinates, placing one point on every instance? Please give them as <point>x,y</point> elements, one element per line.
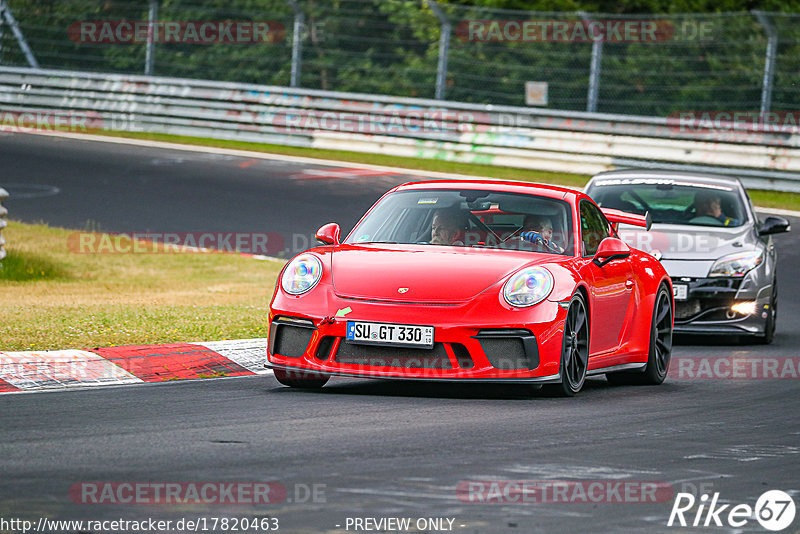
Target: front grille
<point>290,340</point>
<point>375,356</point>
<point>716,286</point>
<point>702,309</point>
<point>706,294</point>
<point>686,309</point>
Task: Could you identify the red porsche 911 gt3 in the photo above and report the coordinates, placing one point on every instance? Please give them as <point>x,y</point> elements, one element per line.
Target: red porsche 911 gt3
<point>474,281</point>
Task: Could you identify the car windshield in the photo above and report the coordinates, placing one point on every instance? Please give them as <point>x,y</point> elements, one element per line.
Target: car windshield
<point>672,201</point>
<point>469,218</point>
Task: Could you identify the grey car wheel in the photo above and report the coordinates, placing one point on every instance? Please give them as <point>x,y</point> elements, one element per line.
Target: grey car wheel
<point>772,317</point>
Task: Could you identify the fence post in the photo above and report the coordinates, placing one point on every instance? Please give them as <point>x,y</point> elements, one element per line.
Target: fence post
<point>444,48</point>
<point>5,13</point>
<point>3,223</point>
<point>594,69</point>
<point>1,33</point>
<point>297,43</point>
<point>769,61</point>
<point>150,51</point>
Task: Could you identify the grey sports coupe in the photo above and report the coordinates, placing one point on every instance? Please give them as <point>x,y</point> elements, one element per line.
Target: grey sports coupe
<point>716,249</point>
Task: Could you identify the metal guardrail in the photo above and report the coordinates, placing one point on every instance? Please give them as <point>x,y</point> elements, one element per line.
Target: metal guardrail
<point>561,141</point>
<point>3,223</point>
<point>446,50</point>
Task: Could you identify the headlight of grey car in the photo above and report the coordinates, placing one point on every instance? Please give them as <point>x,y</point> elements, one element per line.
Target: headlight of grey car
<point>737,264</point>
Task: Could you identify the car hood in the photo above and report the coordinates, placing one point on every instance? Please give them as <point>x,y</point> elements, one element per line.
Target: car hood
<point>682,242</point>
<point>413,273</point>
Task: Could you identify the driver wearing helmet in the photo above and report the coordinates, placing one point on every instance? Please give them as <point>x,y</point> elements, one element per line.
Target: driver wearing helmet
<point>539,229</point>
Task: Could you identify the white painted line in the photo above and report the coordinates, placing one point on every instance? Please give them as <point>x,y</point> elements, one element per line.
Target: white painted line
<point>249,353</point>
<point>60,369</point>
<point>259,155</point>
<point>300,159</point>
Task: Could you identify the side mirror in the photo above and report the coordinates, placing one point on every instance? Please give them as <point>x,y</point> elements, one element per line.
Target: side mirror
<point>611,249</point>
<point>329,234</point>
<point>774,225</point>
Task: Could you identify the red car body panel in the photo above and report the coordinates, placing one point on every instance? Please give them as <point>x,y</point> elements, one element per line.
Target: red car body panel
<point>360,282</point>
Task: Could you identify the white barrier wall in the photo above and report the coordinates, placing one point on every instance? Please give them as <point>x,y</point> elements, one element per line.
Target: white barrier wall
<point>549,140</point>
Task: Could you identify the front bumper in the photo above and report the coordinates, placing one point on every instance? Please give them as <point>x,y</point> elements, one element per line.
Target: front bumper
<point>471,343</point>
<point>709,307</point>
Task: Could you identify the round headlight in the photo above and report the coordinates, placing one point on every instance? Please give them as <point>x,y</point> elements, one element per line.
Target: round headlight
<point>528,287</point>
<point>301,274</point>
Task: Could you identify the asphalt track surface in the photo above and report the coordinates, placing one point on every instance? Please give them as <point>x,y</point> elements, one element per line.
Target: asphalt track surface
<point>381,449</point>
<point>122,188</point>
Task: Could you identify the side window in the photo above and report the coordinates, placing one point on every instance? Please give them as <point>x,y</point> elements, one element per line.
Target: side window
<point>593,228</point>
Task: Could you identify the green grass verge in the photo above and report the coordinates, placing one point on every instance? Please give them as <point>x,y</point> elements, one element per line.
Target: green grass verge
<point>775,199</point>
<point>54,298</point>
<point>771,199</point>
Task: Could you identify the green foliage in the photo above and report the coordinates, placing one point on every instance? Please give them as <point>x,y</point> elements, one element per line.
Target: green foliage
<point>711,59</point>
<point>637,6</point>
<point>28,267</point>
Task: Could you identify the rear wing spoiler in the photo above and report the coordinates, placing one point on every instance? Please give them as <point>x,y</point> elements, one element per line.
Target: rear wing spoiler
<point>619,216</point>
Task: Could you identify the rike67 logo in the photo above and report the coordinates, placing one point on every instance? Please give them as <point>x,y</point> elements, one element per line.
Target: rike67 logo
<point>774,510</point>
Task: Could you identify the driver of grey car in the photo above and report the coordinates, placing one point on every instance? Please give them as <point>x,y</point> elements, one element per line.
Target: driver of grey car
<point>709,204</point>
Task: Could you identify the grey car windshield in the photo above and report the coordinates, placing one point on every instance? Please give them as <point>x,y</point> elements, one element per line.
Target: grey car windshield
<point>469,218</point>
<point>673,201</point>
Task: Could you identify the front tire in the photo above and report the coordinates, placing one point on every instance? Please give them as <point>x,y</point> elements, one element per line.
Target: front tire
<point>574,349</point>
<point>660,351</point>
<point>300,379</point>
<point>772,318</point>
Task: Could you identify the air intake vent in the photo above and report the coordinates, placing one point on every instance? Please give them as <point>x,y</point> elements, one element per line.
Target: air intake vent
<point>505,353</point>
<point>435,358</point>
<point>288,339</point>
<point>462,356</point>
<point>324,348</point>
<point>512,348</point>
